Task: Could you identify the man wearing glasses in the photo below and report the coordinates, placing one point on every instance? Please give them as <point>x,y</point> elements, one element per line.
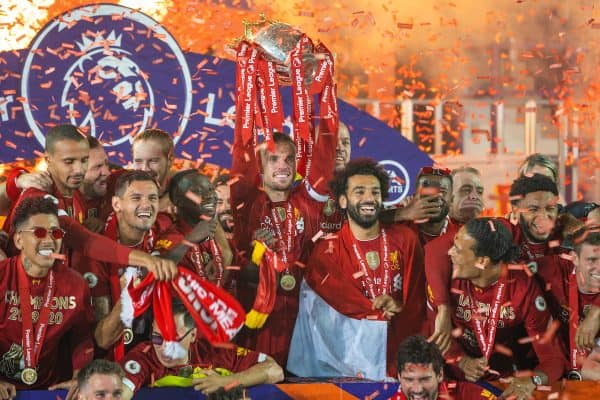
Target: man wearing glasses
<point>204,367</point>
<point>46,320</point>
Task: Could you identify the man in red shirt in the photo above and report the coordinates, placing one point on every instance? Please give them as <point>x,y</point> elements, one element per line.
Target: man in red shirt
<point>576,286</point>
<point>147,364</point>
<point>368,270</point>
<point>152,152</point>
<point>434,185</point>
<point>45,341</point>
<point>131,224</point>
<point>224,214</point>
<point>500,314</point>
<point>466,203</point>
<point>67,154</point>
<point>285,218</point>
<point>421,375</point>
<point>94,185</point>
<point>195,204</point>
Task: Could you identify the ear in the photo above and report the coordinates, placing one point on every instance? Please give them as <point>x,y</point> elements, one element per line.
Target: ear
<point>343,201</point>
<point>575,259</point>
<point>116,203</point>
<point>18,240</point>
<point>194,335</point>
<point>485,262</point>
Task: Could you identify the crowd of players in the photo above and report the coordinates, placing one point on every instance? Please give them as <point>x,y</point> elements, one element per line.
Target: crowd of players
<point>513,298</point>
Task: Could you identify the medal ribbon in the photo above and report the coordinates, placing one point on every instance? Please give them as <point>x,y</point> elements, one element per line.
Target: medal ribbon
<point>573,319</point>
<point>33,347</point>
<point>299,92</point>
<point>486,342</point>
<point>366,280</point>
<point>218,261</point>
<point>147,245</point>
<point>288,238</point>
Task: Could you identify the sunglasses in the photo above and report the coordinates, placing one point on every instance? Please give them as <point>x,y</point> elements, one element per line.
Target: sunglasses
<point>435,171</point>
<point>158,340</point>
<point>41,233</point>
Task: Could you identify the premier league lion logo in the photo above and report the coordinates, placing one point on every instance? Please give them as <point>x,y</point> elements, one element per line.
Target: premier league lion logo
<point>110,70</point>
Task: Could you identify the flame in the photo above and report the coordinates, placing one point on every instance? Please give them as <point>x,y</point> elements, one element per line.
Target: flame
<point>29,17</point>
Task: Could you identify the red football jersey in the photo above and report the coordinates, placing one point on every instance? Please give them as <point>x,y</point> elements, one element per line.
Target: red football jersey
<point>554,273</point>
<point>438,266</point>
<point>196,258</point>
<point>332,268</point>
<point>68,343</point>
<point>142,366</point>
<point>253,210</point>
<point>523,314</point>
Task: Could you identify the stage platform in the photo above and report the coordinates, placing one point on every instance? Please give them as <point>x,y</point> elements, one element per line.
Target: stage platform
<point>325,390</point>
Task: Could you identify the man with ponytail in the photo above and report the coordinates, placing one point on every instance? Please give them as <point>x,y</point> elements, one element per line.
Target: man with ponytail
<point>499,313</point>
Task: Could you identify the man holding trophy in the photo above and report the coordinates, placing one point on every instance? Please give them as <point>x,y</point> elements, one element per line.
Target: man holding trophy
<point>276,218</point>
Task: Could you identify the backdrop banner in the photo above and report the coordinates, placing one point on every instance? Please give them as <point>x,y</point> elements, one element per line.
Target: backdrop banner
<point>115,71</point>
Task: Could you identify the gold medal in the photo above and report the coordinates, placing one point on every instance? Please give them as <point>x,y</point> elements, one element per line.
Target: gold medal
<point>373,259</point>
<point>29,376</point>
<point>127,336</point>
<point>288,282</point>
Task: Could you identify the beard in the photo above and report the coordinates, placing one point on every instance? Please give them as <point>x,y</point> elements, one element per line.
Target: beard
<point>364,221</point>
<point>226,221</point>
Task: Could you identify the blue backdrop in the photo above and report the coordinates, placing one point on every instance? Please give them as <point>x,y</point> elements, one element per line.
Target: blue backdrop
<point>116,71</point>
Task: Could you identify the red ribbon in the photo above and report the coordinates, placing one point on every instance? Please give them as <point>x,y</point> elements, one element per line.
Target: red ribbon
<point>574,320</point>
<point>368,283</point>
<point>299,93</point>
<point>217,314</point>
<point>111,231</point>
<point>33,340</point>
<point>486,342</point>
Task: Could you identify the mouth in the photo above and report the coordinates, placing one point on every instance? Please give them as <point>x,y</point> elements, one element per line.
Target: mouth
<point>209,206</point>
<point>45,252</point>
<point>367,209</point>
<point>144,214</point>
<point>76,178</point>
<point>419,397</point>
<point>281,175</point>
<point>340,157</point>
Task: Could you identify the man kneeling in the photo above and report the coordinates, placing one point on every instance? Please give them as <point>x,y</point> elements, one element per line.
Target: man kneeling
<point>204,367</point>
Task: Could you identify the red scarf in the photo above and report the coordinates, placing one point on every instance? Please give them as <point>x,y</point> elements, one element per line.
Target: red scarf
<point>217,314</point>
<point>111,230</point>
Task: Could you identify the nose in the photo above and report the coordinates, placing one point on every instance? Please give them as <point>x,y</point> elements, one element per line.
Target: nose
<point>144,166</point>
<point>104,171</point>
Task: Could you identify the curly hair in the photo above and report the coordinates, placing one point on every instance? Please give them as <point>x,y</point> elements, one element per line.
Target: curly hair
<point>359,166</point>
<point>31,206</point>
<point>524,185</point>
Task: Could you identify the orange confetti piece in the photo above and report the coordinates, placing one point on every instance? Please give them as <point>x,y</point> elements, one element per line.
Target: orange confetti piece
<point>317,236</point>
<point>324,279</point>
<point>193,197</point>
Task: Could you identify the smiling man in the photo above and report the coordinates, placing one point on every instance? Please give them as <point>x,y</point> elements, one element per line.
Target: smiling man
<point>421,375</point>
<point>46,319</point>
<point>67,155</point>
<point>368,277</point>
<point>195,203</point>
<point>271,211</point>
<point>135,206</point>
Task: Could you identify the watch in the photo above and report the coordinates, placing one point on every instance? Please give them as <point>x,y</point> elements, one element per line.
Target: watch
<point>537,380</point>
